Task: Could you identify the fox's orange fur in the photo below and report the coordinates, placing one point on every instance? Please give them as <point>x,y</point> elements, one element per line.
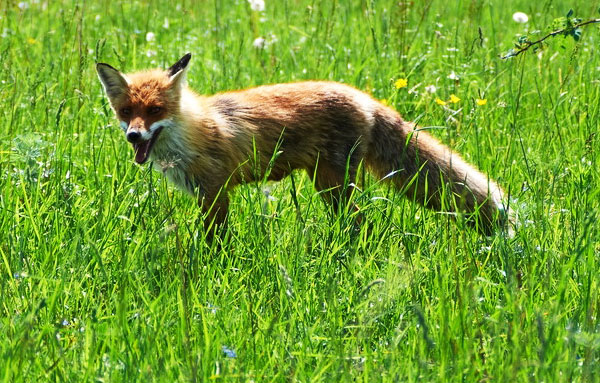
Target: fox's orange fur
<point>204,144</point>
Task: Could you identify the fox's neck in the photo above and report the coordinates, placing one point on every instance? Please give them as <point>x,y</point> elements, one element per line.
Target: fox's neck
<point>201,119</point>
<point>192,105</point>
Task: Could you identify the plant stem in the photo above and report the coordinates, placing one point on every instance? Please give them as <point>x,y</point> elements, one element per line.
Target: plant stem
<point>554,33</point>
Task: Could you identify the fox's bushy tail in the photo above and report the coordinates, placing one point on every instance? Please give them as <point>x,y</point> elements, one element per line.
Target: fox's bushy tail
<point>424,168</point>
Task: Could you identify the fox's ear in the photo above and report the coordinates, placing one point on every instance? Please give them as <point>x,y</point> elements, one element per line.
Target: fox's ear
<point>113,81</point>
<point>179,65</point>
<point>177,71</point>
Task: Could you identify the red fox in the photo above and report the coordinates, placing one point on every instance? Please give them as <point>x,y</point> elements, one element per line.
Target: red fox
<point>203,143</point>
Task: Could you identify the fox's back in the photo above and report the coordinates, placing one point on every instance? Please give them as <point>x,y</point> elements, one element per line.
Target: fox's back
<point>298,103</point>
<point>307,119</point>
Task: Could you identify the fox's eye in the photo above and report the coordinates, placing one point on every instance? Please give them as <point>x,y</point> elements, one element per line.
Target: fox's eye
<point>125,111</point>
<point>154,110</point>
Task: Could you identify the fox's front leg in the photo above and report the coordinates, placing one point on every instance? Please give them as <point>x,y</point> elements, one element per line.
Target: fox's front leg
<point>215,209</point>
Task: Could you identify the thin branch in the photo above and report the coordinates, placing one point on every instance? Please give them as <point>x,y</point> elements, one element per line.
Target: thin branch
<point>529,44</point>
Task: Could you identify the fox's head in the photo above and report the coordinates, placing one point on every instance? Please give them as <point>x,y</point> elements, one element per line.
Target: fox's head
<point>145,102</point>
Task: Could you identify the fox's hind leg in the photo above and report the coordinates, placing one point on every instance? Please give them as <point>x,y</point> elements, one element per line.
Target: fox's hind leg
<point>335,186</point>
<point>330,185</point>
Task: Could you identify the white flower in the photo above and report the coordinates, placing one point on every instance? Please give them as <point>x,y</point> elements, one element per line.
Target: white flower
<point>259,43</point>
<point>166,23</point>
<point>257,5</point>
<point>520,17</point>
<point>453,76</point>
<point>97,17</point>
<point>431,88</point>
<point>150,36</point>
<point>23,5</point>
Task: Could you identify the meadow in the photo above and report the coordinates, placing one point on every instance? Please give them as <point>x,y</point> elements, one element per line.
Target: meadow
<point>105,271</point>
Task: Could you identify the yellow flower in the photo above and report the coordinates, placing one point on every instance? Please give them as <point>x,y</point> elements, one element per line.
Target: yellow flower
<point>401,83</point>
<point>31,40</point>
<point>441,102</point>
<point>384,101</point>
<point>481,102</point>
<point>454,99</point>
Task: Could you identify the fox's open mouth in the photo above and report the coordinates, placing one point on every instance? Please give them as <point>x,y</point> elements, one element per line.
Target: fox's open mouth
<point>143,148</point>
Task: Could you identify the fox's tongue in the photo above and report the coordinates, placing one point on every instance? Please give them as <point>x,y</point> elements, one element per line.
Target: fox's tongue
<point>141,151</point>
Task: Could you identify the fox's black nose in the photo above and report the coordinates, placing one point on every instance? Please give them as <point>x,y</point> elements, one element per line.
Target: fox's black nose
<point>134,136</point>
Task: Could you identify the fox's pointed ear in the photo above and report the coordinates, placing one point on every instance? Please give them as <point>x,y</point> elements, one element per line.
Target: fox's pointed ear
<point>177,71</point>
<point>179,65</point>
<point>113,81</point>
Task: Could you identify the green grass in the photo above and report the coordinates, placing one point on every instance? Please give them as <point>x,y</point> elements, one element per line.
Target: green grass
<point>105,275</point>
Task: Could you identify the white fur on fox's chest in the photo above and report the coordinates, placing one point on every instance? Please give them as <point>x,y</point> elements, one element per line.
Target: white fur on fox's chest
<point>171,156</point>
<point>178,175</point>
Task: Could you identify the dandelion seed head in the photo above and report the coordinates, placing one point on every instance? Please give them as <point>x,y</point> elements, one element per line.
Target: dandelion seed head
<point>520,17</point>
<point>453,76</point>
<point>257,5</point>
<point>259,43</point>
<point>150,36</point>
<point>430,89</point>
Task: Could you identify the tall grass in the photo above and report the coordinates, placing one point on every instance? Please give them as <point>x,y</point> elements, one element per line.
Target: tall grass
<point>105,274</point>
